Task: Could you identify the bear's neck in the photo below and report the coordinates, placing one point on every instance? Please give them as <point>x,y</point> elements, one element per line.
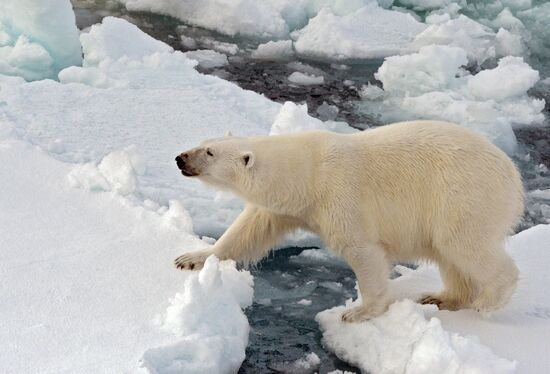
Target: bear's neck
<point>284,176</point>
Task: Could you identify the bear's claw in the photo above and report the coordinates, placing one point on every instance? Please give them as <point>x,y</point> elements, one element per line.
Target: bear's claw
<point>430,299</point>
<point>190,261</point>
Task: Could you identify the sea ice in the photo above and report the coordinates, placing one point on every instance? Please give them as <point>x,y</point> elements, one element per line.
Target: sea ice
<point>431,84</point>
<point>477,40</point>
<point>305,79</point>
<point>369,32</point>
<point>274,51</point>
<point>207,58</point>
<point>108,41</point>
<point>37,38</point>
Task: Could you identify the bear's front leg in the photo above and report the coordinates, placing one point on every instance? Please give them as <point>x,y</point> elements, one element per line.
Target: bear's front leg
<point>247,240</point>
<point>372,270</point>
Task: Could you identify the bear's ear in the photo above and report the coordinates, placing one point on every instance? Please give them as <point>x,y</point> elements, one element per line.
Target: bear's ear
<point>228,133</point>
<point>248,159</point>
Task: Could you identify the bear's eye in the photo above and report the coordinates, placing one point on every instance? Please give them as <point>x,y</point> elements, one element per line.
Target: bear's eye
<point>209,153</point>
<point>246,159</point>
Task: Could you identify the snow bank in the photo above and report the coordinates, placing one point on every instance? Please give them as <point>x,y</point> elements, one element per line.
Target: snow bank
<point>369,32</point>
<point>406,340</point>
<point>412,338</point>
<point>206,343</point>
<point>431,84</point>
<point>37,38</point>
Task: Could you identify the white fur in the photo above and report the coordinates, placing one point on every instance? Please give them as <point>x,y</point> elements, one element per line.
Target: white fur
<point>408,191</point>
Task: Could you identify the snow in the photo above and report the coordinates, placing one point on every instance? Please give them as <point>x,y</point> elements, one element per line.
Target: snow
<point>207,58</point>
<point>93,212</point>
<point>369,32</point>
<point>406,339</point>
<point>207,343</point>
<point>305,79</point>
<point>137,94</point>
<point>37,38</point>
<point>93,209</point>
<point>274,51</point>
<point>412,338</point>
<point>431,84</point>
<point>86,272</point>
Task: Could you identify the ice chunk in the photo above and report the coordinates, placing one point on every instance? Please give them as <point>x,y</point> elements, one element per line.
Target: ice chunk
<point>430,84</point>
<point>207,58</point>
<point>245,17</point>
<point>116,172</point>
<point>425,4</point>
<point>109,41</point>
<point>206,343</point>
<point>508,44</point>
<point>369,32</point>
<point>274,51</point>
<point>216,45</point>
<point>476,39</point>
<point>294,118</point>
<point>511,78</point>
<point>37,38</point>
<point>305,79</point>
<point>308,364</point>
<point>327,112</point>
<point>433,68</point>
<point>406,339</point>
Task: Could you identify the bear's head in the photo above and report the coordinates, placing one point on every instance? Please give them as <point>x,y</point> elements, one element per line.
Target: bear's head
<point>225,163</point>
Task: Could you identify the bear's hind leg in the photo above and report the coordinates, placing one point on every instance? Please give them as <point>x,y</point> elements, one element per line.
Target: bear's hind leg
<point>482,276</point>
<point>459,290</point>
<point>497,287</point>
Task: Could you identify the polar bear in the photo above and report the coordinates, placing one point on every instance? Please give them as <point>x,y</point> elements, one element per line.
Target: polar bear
<point>408,191</point>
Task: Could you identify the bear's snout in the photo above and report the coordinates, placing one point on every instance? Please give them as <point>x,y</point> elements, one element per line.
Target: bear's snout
<point>183,166</point>
<point>180,162</point>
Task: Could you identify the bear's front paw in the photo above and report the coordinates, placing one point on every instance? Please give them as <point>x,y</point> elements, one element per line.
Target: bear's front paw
<point>192,260</point>
<point>362,313</point>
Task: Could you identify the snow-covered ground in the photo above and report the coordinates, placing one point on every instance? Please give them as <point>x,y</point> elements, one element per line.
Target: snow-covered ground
<point>93,210</point>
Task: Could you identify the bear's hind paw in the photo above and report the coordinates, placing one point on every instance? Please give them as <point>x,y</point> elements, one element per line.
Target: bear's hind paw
<point>430,299</point>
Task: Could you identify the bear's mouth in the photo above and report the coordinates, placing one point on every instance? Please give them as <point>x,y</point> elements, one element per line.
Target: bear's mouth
<point>188,174</point>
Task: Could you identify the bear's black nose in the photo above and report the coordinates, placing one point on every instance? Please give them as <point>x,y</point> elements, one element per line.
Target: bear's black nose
<point>180,162</point>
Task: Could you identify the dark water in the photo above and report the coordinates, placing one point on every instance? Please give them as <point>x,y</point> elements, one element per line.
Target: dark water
<point>282,330</point>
